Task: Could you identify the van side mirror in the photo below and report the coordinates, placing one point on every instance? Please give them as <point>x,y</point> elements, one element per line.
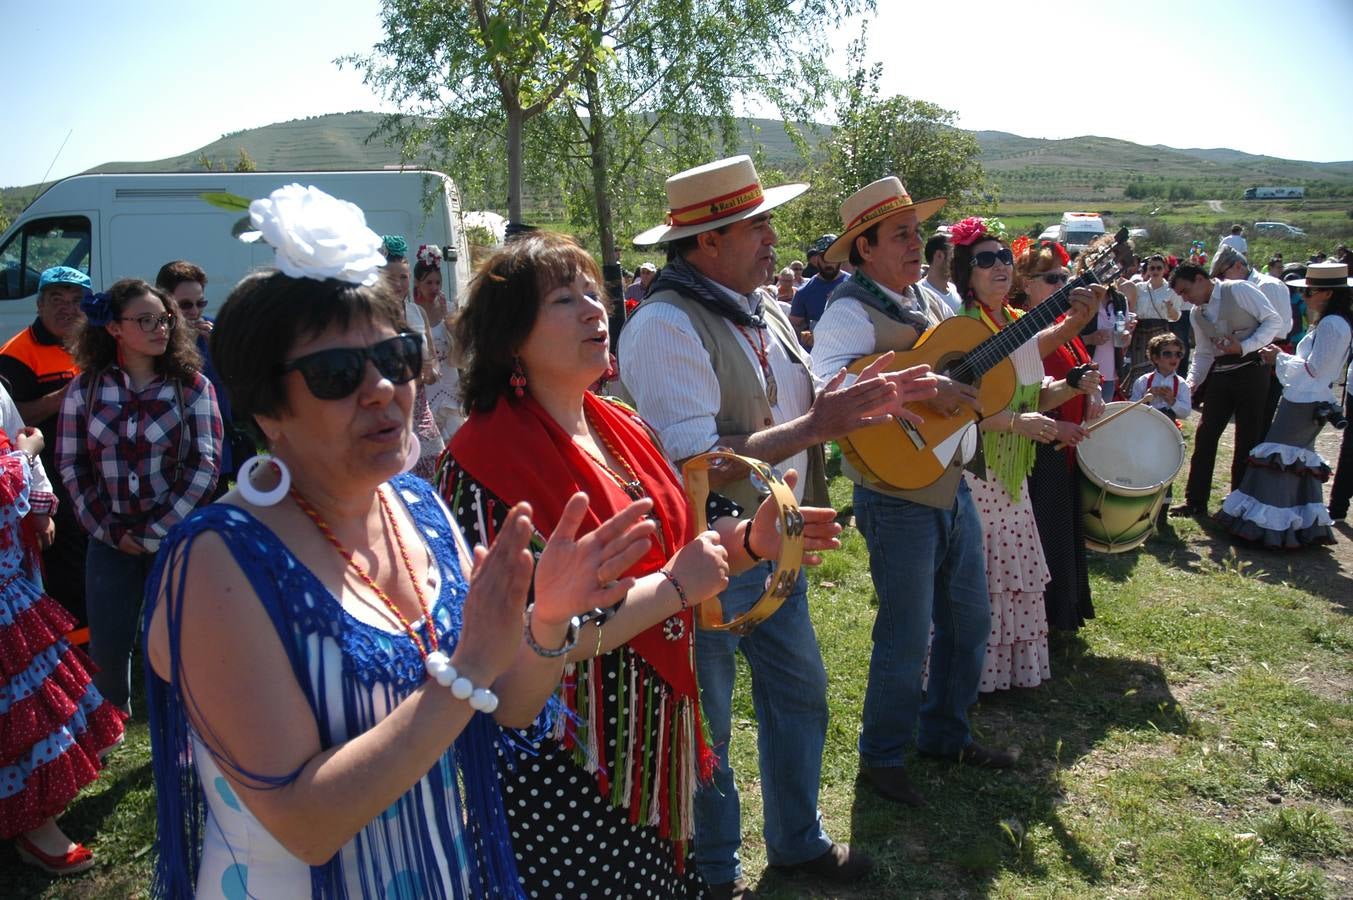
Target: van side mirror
<point>450,253</point>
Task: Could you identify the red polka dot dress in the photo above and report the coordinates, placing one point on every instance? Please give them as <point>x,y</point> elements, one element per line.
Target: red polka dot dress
<point>53,722</point>
<point>1017,572</point>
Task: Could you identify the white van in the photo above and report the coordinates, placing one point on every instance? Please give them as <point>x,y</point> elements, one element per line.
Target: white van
<point>1079,229</point>
<point>119,226</point>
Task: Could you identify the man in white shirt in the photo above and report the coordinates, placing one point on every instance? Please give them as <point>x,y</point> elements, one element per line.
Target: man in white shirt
<point>925,546</point>
<point>723,369</point>
<point>936,282</point>
<point>1236,239</point>
<point>1231,320</point>
<point>1231,265</point>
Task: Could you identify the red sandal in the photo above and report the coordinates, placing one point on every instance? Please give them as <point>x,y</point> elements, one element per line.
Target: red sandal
<point>75,860</point>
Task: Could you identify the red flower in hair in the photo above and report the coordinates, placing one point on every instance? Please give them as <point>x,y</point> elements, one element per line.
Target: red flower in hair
<point>968,232</point>
<point>1062,256</point>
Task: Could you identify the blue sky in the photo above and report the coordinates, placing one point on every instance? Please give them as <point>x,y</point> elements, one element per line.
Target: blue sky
<point>147,79</point>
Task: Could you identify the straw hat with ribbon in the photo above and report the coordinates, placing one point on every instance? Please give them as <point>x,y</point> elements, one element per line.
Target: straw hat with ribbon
<point>1323,275</point>
<point>713,195</point>
<point>872,204</point>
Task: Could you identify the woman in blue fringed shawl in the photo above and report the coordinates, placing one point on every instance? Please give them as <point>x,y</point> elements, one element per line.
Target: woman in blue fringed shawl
<point>325,671</point>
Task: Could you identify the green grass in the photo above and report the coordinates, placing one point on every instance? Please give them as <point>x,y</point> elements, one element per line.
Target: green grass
<point>1194,741</point>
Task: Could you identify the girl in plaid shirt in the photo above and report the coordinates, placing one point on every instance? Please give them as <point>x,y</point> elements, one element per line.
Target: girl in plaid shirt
<point>139,447</point>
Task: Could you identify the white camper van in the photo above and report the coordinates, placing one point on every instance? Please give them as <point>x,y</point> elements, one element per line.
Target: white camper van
<point>119,226</point>
<point>1078,229</point>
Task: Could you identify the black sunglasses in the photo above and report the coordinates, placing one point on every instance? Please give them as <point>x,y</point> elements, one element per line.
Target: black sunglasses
<point>1312,291</point>
<point>1052,278</point>
<point>186,305</point>
<point>334,374</point>
<point>988,258</point>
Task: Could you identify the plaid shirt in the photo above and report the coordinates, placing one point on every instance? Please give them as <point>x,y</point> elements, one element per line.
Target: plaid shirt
<point>121,458</point>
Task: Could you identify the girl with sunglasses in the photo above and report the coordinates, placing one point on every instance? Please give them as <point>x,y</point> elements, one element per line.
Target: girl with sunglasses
<point>1279,502</point>
<point>610,790</point>
<point>1017,571</point>
<point>329,657</point>
<point>1040,271</point>
<point>139,444</point>
<point>1157,307</point>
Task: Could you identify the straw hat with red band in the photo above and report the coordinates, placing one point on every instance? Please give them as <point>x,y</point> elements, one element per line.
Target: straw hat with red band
<point>1323,275</point>
<point>714,195</point>
<point>872,204</point>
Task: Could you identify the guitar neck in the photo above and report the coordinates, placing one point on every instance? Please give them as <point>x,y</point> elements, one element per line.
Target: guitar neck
<point>986,355</point>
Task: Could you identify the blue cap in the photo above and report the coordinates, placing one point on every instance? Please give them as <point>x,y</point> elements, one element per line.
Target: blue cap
<point>64,275</point>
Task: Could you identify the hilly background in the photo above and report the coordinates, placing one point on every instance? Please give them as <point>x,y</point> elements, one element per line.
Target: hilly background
<point>1022,169</point>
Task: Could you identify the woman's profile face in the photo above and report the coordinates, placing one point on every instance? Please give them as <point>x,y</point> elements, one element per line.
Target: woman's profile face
<point>569,343</point>
<point>1037,289</point>
<point>129,331</point>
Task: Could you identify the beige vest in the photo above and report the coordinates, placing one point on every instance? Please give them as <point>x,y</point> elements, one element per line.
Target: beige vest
<point>743,407</point>
<point>890,334</point>
<point>1233,321</point>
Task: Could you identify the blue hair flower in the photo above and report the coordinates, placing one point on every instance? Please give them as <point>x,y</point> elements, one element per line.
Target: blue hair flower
<point>98,308</point>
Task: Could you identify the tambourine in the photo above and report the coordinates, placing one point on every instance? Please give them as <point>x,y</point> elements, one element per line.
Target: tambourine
<point>695,474</point>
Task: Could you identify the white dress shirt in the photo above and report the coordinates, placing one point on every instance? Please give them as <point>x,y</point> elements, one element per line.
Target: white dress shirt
<point>1247,297</point>
<point>1151,302</point>
<point>845,333</point>
<point>667,370</point>
<point>1183,398</point>
<point>1278,295</point>
<point>1237,241</point>
<point>1309,375</point>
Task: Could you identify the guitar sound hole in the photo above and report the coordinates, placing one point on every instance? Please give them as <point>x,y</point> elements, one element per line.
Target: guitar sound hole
<point>956,370</point>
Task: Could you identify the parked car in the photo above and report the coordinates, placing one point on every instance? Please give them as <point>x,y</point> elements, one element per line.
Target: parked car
<point>1278,229</point>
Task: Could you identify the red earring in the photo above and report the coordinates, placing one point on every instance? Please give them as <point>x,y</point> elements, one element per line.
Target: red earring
<point>518,378</point>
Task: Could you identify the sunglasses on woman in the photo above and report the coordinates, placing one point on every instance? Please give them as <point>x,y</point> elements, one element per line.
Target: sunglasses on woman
<point>150,322</point>
<point>336,373</point>
<point>988,258</point>
<point>1051,278</point>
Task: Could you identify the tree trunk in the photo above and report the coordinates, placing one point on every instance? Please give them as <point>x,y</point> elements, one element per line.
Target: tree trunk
<point>515,119</point>
<point>610,255</point>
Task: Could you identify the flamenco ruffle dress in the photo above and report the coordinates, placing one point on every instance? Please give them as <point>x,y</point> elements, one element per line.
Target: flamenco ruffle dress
<point>53,721</point>
<point>1280,501</point>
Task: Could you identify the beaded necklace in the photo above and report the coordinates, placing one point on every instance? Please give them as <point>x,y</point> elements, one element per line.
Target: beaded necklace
<point>633,487</point>
<point>759,350</point>
<point>386,515</point>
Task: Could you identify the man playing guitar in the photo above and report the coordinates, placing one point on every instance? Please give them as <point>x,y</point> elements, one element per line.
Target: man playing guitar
<point>925,546</point>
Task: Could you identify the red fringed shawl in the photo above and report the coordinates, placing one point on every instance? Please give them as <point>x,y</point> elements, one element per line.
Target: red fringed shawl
<point>518,452</point>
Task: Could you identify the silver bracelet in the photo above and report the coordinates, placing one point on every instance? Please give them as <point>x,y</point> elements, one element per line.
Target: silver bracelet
<point>439,669</point>
<point>570,639</point>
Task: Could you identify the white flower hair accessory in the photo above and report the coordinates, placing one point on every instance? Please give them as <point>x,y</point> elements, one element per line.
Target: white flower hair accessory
<point>429,255</point>
<point>317,235</point>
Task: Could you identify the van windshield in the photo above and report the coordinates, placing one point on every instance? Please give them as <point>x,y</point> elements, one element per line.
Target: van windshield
<point>39,245</point>
<point>1082,238</point>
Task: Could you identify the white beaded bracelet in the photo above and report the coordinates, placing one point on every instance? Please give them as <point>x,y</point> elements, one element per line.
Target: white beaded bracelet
<point>440,670</point>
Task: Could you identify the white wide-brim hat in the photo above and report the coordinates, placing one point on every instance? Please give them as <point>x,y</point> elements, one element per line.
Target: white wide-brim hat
<point>1323,275</point>
<point>872,204</point>
<point>714,195</point>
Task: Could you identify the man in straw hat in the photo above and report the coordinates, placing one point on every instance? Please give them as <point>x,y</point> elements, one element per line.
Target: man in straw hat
<point>925,546</point>
<point>1231,320</point>
<point>722,368</point>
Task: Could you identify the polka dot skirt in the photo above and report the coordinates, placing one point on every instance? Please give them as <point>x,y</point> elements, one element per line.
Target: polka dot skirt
<point>1017,648</point>
<point>570,841</point>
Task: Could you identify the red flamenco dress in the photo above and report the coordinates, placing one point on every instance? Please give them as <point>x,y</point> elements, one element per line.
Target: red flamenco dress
<point>53,722</point>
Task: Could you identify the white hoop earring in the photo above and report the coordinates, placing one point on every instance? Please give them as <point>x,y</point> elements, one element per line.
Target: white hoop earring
<point>244,483</point>
<point>415,451</point>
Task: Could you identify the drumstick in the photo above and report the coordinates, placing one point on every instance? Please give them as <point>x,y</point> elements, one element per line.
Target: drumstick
<point>1104,421</point>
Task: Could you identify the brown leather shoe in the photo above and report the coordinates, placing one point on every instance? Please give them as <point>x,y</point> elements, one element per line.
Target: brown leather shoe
<point>839,864</point>
<point>738,889</point>
<point>893,784</point>
<point>976,755</point>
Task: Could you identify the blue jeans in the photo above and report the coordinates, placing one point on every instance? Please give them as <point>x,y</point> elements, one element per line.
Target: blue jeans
<point>115,585</point>
<point>928,568</point>
<point>789,695</point>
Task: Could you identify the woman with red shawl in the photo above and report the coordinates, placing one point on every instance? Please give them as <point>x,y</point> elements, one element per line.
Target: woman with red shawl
<point>602,794</point>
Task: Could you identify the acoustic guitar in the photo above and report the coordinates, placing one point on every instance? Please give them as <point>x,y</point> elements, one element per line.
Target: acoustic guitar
<point>909,457</point>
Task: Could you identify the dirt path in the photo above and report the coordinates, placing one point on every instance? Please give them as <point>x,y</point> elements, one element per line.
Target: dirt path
<point>1215,206</point>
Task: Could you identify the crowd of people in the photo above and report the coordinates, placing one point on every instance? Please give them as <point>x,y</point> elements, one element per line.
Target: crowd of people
<point>431,625</point>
